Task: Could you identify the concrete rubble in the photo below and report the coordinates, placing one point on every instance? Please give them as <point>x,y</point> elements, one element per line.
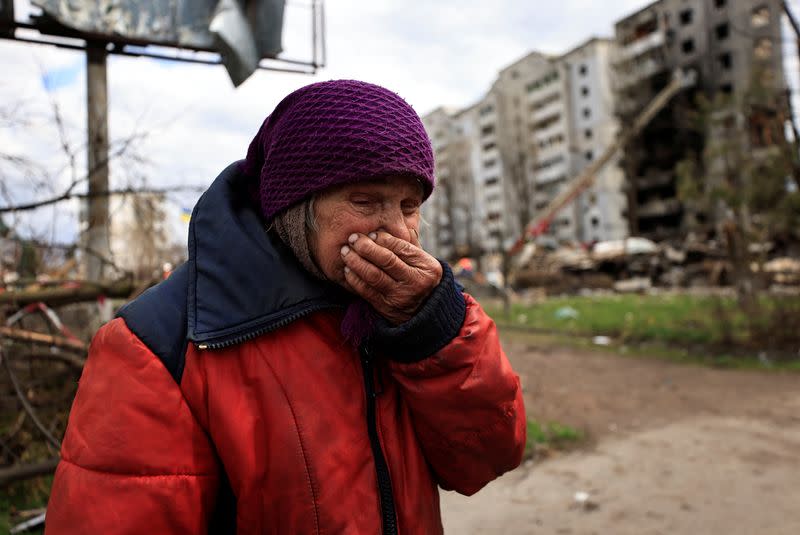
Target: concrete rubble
<point>638,265</point>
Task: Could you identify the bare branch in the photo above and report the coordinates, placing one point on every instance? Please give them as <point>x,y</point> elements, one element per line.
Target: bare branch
<point>45,339</point>
<point>27,471</point>
<point>26,405</point>
<point>70,195</point>
<point>73,361</point>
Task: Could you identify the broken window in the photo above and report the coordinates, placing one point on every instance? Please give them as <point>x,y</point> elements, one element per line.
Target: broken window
<point>760,17</point>
<point>725,60</point>
<point>589,155</point>
<point>595,222</point>
<point>583,70</point>
<point>726,88</point>
<point>686,17</point>
<point>486,130</point>
<point>585,91</point>
<point>587,113</point>
<point>763,48</point>
<point>688,46</point>
<point>588,133</point>
<point>720,3</point>
<point>722,31</point>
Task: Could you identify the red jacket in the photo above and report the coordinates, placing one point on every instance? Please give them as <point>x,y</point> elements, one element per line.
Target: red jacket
<point>290,431</point>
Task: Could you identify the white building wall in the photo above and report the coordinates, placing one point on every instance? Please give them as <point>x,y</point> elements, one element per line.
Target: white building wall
<point>600,210</point>
<point>525,141</point>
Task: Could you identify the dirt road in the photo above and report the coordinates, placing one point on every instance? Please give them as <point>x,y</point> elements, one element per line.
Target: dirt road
<point>673,449</point>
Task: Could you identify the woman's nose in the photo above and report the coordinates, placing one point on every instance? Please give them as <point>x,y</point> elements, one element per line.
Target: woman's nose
<point>394,223</point>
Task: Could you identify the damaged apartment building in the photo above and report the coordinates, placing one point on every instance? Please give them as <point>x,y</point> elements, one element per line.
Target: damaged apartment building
<point>546,117</point>
<point>726,43</point>
<point>502,160</point>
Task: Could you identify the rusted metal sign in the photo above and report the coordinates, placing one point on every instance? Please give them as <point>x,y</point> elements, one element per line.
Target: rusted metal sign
<point>243,32</point>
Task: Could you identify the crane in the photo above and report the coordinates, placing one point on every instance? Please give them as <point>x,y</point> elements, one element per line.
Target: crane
<point>541,222</point>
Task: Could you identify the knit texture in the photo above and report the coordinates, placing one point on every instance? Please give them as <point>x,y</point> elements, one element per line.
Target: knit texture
<point>333,133</point>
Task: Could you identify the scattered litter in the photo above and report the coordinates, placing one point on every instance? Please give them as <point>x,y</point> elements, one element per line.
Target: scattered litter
<point>566,313</point>
<point>28,524</point>
<point>636,284</point>
<point>584,502</point>
<point>601,341</point>
<point>105,309</point>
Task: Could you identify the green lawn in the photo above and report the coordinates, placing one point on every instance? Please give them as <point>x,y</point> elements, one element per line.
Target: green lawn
<point>669,318</point>
<point>550,435</point>
<point>25,495</point>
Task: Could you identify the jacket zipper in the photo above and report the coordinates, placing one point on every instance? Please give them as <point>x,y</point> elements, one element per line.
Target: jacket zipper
<point>258,331</point>
<point>389,518</point>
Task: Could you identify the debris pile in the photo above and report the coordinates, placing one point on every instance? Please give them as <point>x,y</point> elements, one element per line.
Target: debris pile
<point>48,314</point>
<point>638,264</point>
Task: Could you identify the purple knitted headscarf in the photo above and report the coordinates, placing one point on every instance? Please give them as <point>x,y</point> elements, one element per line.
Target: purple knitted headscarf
<point>332,133</point>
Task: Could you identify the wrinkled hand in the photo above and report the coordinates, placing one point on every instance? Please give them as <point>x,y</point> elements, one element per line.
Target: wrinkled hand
<point>392,275</point>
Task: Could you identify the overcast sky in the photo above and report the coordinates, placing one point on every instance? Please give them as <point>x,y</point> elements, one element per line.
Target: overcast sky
<point>443,52</point>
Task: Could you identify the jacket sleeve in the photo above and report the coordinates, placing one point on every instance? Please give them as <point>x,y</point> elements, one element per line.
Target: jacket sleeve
<point>464,397</point>
<point>134,460</point>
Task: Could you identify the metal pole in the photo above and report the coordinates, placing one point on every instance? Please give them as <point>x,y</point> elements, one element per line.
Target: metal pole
<point>96,231</point>
<point>314,45</point>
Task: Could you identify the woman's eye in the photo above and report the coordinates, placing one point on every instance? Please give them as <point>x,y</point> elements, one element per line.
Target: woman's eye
<point>363,203</point>
<point>410,208</point>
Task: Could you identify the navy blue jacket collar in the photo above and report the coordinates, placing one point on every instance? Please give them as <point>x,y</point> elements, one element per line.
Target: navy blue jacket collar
<point>243,281</point>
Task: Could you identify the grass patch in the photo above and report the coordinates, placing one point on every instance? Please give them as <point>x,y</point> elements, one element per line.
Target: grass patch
<point>550,435</point>
<point>669,319</point>
<point>22,496</point>
<point>653,350</point>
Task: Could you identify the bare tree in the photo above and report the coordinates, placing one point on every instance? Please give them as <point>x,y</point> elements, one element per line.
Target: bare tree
<point>740,183</point>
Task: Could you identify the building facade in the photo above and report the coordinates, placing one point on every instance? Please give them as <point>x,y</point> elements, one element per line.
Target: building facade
<point>504,159</point>
<point>726,43</point>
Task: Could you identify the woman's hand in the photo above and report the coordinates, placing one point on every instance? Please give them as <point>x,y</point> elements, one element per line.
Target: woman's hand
<point>392,275</point>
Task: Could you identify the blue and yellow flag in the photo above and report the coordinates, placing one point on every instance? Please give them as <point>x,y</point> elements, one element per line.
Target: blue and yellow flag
<point>186,214</point>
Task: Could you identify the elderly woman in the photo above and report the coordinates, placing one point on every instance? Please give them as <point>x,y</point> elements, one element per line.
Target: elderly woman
<point>310,368</point>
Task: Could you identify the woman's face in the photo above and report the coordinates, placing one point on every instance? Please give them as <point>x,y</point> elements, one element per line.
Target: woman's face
<point>390,204</point>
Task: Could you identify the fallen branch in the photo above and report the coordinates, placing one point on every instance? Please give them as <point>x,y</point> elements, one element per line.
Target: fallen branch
<point>39,338</point>
<point>72,360</point>
<point>81,292</point>
<point>27,471</point>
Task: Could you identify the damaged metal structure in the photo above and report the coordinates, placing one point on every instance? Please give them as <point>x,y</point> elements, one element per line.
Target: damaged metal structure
<point>242,35</point>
